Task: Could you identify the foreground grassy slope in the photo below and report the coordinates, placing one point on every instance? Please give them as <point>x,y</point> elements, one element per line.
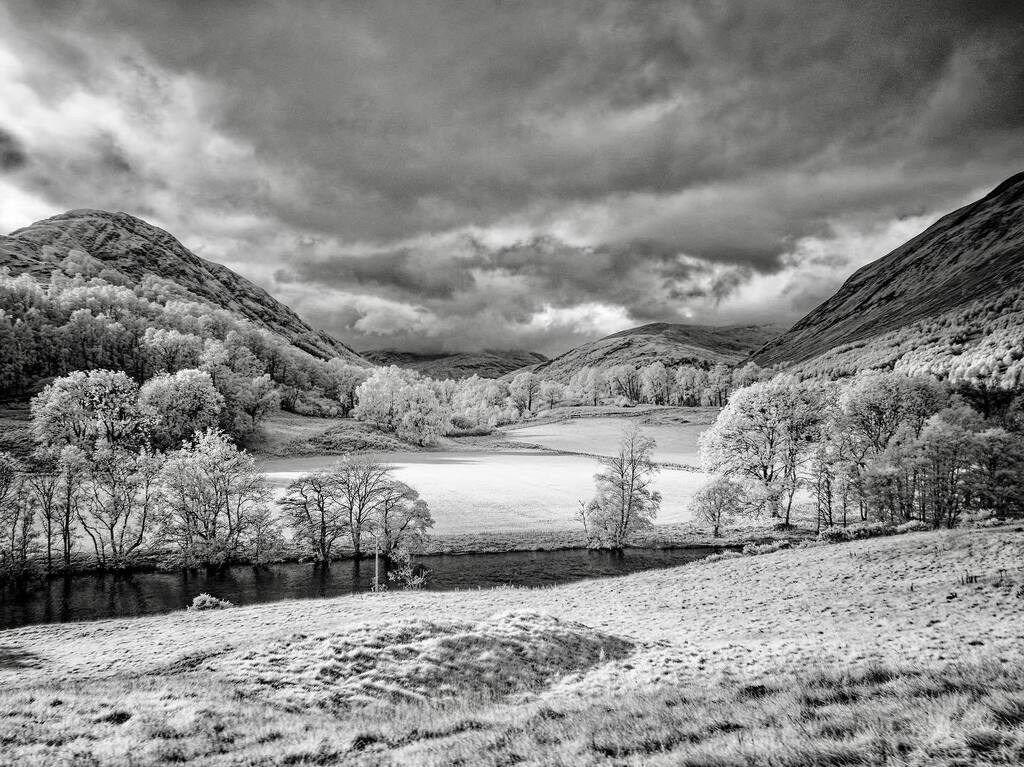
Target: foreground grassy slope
<point>872,652</point>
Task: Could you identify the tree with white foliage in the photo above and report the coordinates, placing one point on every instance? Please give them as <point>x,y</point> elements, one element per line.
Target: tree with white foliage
<point>181,404</point>
<point>655,383</point>
<point>625,502</point>
<point>551,393</point>
<point>766,433</point>
<point>215,500</point>
<point>719,502</point>
<point>524,389</point>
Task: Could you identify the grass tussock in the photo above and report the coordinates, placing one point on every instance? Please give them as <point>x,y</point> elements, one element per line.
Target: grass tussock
<point>419,660</point>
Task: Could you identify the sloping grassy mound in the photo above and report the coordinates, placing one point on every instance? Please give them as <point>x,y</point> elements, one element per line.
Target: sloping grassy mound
<point>419,660</point>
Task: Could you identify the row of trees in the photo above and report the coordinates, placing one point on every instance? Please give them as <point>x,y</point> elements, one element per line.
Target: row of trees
<point>123,472</point>
<point>881,446</point>
<point>421,409</point>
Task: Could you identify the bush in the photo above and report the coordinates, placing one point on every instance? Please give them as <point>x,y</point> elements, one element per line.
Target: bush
<point>722,555</point>
<point>753,549</point>
<point>869,530</point>
<point>913,526</point>
<point>209,602</point>
<point>855,532</point>
<point>834,535</point>
<point>461,422</point>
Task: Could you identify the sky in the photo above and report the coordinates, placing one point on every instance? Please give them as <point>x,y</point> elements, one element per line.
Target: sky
<point>484,174</point>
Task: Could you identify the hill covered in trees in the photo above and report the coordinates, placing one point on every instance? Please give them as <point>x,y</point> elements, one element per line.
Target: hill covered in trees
<point>948,302</point>
<point>671,344</point>
<point>135,250</point>
<point>457,365</point>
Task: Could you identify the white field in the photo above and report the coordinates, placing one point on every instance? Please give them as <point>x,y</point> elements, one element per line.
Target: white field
<point>500,491</point>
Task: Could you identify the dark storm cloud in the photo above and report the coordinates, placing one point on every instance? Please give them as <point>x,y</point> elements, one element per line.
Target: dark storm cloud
<point>649,156</point>
<point>12,155</point>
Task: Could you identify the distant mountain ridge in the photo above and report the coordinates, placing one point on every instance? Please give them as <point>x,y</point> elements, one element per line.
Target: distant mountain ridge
<point>947,291</point>
<point>671,343</point>
<point>136,248</point>
<point>486,364</point>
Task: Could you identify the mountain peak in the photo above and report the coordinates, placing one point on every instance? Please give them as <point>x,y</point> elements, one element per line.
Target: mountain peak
<point>975,252</point>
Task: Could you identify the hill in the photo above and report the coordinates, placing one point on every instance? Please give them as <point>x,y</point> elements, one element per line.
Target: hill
<point>486,364</point>
<point>136,248</point>
<point>948,301</point>
<point>672,344</point>
<point>843,654</point>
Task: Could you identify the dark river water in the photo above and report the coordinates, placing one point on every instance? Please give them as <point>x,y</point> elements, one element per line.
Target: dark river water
<point>86,597</point>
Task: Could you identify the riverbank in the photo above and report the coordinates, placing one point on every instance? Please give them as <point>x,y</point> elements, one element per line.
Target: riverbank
<point>824,655</point>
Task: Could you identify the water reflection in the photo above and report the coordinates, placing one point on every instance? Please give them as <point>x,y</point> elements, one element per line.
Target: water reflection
<point>86,597</point>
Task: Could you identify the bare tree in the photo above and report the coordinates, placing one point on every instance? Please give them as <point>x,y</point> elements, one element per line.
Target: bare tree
<point>314,508</point>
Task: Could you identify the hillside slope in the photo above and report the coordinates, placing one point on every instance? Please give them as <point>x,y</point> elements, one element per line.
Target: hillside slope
<point>965,268</point>
<point>136,248</point>
<point>672,344</point>
<point>487,364</point>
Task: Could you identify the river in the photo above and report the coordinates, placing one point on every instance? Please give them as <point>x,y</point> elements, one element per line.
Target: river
<point>91,596</point>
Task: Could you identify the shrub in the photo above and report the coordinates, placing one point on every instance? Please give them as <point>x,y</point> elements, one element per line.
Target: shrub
<point>753,549</point>
<point>723,555</point>
<point>869,530</point>
<point>913,526</point>
<point>209,602</point>
<point>834,535</point>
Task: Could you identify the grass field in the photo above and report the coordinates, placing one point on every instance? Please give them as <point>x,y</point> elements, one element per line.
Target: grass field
<point>872,652</point>
<point>501,490</point>
<point>528,478</point>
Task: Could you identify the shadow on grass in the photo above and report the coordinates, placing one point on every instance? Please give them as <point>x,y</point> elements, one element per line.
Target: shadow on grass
<point>16,657</point>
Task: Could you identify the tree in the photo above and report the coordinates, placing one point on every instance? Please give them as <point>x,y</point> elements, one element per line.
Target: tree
<point>85,408</point>
<point>402,519</point>
<point>766,433</point>
<point>181,404</point>
<point>214,499</point>
<point>170,350</point>
<point>691,383</point>
<point>378,398</point>
<point>625,502</point>
<point>43,489</point>
<point>524,389</point>
<point>16,517</point>
<point>423,418</point>
<point>119,502</point>
<point>874,410</point>
<point>719,501</point>
<point>719,383</point>
<point>624,381</point>
<point>343,380</point>
<point>587,386</point>
<point>363,485</point>
<point>314,509</point>
<point>655,383</point>
<point>259,398</point>
<point>551,392</point>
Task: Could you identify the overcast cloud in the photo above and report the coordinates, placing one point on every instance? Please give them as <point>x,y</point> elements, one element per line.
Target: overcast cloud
<point>465,175</point>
